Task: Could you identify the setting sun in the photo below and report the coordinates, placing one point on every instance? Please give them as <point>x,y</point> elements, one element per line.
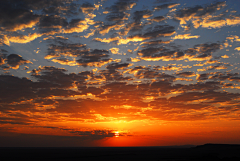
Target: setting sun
<point>116,134</point>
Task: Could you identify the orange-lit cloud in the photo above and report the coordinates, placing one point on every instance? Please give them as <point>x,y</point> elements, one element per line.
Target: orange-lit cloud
<point>237,48</point>
<point>22,39</point>
<point>114,50</point>
<point>186,36</point>
<point>77,25</point>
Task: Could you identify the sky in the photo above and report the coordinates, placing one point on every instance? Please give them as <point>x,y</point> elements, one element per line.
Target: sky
<point>110,73</point>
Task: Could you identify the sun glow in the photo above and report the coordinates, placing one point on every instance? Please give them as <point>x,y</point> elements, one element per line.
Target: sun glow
<point>116,134</point>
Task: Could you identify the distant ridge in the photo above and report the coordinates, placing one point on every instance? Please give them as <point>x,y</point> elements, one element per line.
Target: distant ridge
<point>211,145</point>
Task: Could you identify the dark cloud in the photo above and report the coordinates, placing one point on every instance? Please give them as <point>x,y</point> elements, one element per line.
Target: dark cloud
<point>164,1</point>
<point>121,6</point>
<point>91,134</point>
<point>112,75</point>
<point>158,18</point>
<point>225,76</point>
<point>52,22</point>
<point>95,134</point>
<point>85,57</point>
<point>186,74</point>
<point>213,96</point>
<point>40,140</point>
<point>66,49</point>
<point>38,4</point>
<point>51,82</point>
<point>70,106</point>
<point>138,15</point>
<point>57,77</point>
<point>202,51</point>
<point>160,31</point>
<point>114,66</point>
<point>207,47</point>
<point>210,85</point>
<point>157,42</point>
<point>150,73</point>
<point>87,8</point>
<point>94,58</point>
<point>14,121</point>
<point>188,12</point>
<point>151,51</point>
<point>71,9</point>
<point>200,14</point>
<point>203,76</point>
<point>164,6</point>
<point>14,19</point>
<point>15,89</point>
<point>118,10</point>
<point>15,60</point>
<point>74,22</point>
<point>119,16</point>
<point>198,53</point>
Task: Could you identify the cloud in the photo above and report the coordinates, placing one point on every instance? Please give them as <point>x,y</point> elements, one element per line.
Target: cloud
<point>138,15</point>
<point>66,49</point>
<point>84,56</point>
<point>203,76</point>
<point>211,23</point>
<point>160,53</point>
<point>22,39</point>
<point>209,95</point>
<point>13,60</point>
<point>14,19</point>
<point>118,11</point>
<point>2,61</point>
<point>158,18</point>
<point>96,134</point>
<point>186,36</point>
<point>159,31</point>
<point>157,42</point>
<point>186,74</point>
<point>165,6</point>
<point>87,8</point>
<point>197,12</point>
<point>225,76</point>
<point>53,22</point>
<point>107,28</point>
<point>237,48</point>
<point>4,40</point>
<point>115,66</point>
<point>15,89</point>
<point>62,9</point>
<point>40,4</point>
<point>95,58</point>
<point>77,25</point>
<point>203,16</point>
<point>121,6</point>
<point>114,50</point>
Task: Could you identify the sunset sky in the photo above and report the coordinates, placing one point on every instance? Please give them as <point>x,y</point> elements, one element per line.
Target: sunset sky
<point>119,72</point>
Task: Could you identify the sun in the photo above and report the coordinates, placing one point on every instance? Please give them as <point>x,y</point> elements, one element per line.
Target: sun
<point>116,134</point>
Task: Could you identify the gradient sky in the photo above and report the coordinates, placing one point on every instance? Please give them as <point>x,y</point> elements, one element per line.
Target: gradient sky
<point>119,72</point>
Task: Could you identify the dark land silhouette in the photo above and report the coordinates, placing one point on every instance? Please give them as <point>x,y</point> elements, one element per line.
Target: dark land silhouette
<point>207,152</point>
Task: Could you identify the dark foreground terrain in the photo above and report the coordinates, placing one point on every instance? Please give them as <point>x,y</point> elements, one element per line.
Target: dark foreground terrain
<point>207,152</point>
